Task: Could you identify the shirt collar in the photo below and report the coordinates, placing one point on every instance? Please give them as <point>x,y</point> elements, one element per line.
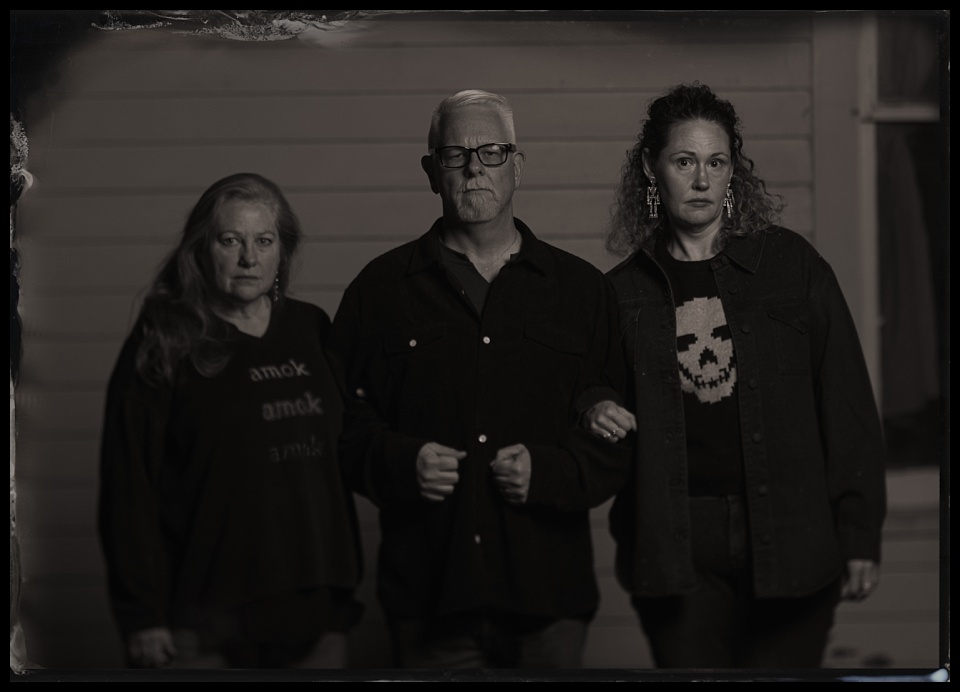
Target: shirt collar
<point>427,249</point>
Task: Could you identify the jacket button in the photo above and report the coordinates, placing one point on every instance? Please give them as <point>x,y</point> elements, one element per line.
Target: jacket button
<point>476,538</point>
<point>756,437</point>
<point>413,343</point>
<point>486,339</point>
<point>745,329</point>
<point>733,289</point>
<point>765,539</point>
<point>762,490</point>
<point>752,383</point>
<point>482,438</point>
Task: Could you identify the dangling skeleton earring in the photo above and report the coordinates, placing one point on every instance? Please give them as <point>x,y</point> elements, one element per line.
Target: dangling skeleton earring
<point>653,198</point>
<point>276,289</point>
<point>728,202</point>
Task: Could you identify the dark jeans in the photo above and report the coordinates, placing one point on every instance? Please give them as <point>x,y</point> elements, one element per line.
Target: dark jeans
<point>487,639</point>
<point>722,624</point>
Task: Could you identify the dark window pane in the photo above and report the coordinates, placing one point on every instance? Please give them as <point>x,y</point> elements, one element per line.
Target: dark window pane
<point>909,58</point>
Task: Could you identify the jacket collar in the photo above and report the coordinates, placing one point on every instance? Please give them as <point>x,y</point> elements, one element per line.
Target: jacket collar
<point>426,251</point>
<point>744,251</point>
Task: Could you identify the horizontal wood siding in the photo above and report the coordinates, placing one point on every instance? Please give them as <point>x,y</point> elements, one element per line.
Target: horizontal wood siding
<point>138,123</point>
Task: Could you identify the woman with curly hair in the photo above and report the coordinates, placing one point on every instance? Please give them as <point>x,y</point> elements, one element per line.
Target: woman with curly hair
<point>229,536</point>
<point>758,493</point>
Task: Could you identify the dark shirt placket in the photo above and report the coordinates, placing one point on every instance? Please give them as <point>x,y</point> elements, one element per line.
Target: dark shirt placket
<point>517,373</point>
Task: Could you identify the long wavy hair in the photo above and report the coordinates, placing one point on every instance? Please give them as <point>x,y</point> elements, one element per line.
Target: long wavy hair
<point>755,209</point>
<point>177,321</point>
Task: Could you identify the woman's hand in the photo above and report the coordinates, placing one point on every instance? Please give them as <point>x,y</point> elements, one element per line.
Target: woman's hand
<point>860,580</point>
<point>609,421</point>
<point>151,648</point>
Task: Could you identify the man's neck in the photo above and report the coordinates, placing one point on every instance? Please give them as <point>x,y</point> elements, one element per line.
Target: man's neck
<point>482,240</point>
<point>487,245</point>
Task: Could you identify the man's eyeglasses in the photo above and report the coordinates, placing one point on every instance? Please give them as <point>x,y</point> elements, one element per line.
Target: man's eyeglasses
<point>489,154</point>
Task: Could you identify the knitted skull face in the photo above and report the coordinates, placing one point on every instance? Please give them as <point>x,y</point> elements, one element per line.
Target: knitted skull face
<point>705,350</point>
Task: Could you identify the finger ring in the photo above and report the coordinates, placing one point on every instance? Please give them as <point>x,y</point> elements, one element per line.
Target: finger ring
<point>607,434</point>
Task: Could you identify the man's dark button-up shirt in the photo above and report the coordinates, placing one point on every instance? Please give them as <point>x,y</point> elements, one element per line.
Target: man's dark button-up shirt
<point>421,365</point>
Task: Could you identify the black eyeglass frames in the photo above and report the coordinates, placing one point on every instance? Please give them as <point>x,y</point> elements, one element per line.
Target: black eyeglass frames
<point>493,154</point>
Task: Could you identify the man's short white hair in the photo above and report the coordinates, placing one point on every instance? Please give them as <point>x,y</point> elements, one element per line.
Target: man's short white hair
<point>470,97</point>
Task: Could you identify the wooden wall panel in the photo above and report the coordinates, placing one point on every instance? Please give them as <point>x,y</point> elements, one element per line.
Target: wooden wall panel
<point>59,411</point>
<point>67,318</point>
<point>138,123</point>
<point>64,461</point>
<point>583,61</point>
<point>47,363</point>
<point>181,121</point>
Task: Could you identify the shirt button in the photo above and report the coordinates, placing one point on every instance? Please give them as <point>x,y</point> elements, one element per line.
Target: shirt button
<point>413,343</point>
<point>486,339</point>
<point>482,438</point>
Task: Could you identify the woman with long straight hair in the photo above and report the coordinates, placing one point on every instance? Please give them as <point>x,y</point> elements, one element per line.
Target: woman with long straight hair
<point>229,536</point>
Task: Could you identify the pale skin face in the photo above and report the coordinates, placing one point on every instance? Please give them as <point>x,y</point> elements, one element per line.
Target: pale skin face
<point>475,194</point>
<point>692,173</point>
<point>245,254</point>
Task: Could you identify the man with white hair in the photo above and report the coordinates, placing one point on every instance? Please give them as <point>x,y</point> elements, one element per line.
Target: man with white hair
<point>469,355</point>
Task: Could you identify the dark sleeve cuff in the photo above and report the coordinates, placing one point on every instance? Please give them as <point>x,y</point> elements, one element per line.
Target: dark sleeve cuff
<point>581,474</point>
<point>594,395</point>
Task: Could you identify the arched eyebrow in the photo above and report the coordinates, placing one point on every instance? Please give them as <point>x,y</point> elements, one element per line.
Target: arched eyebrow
<point>693,155</point>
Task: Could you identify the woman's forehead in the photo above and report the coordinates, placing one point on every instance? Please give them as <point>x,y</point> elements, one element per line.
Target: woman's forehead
<point>242,212</point>
<point>698,131</point>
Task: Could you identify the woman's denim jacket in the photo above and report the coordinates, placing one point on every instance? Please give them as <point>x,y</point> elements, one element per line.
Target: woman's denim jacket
<point>809,428</point>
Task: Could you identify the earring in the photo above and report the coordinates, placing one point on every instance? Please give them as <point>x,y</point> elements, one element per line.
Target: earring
<point>653,199</point>
<point>728,202</point>
<point>276,289</point>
